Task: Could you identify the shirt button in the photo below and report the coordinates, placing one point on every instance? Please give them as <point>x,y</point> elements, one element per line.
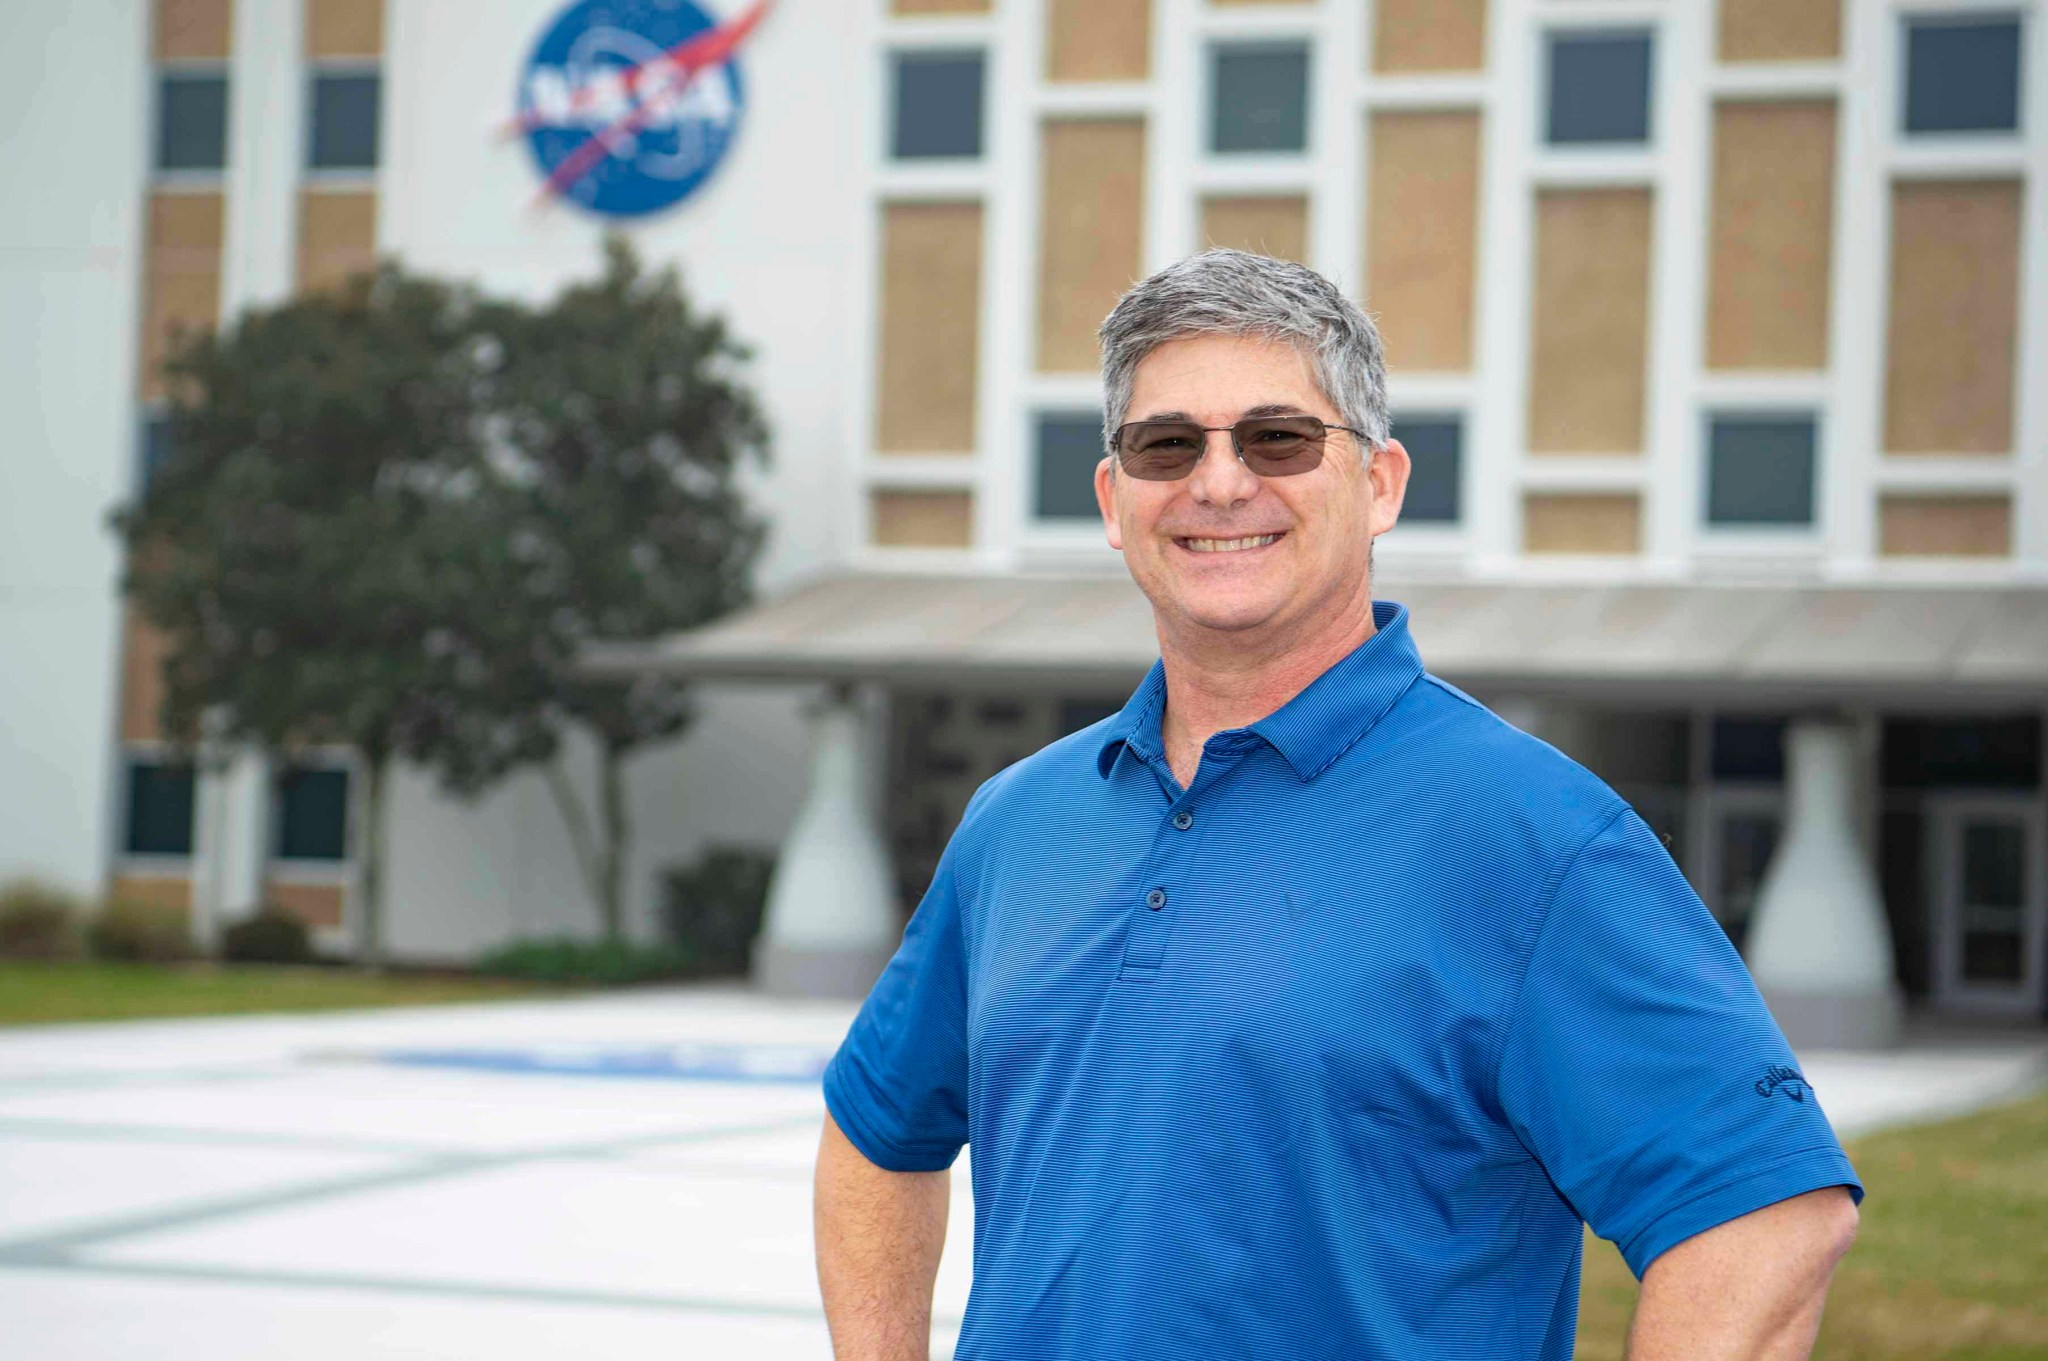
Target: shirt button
<point>1183,820</point>
<point>1156,899</point>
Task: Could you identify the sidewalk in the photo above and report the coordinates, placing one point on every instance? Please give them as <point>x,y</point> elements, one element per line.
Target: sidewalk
<point>612,1176</point>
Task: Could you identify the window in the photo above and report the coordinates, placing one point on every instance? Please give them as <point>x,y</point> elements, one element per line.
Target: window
<point>1986,752</point>
<point>1261,98</point>
<point>937,105</point>
<point>344,122</point>
<point>1963,75</point>
<point>1599,88</point>
<point>156,447</point>
<point>1069,447</point>
<point>1434,444</point>
<point>192,122</point>
<point>159,807</point>
<point>1747,749</point>
<point>312,814</point>
<point>1760,470</point>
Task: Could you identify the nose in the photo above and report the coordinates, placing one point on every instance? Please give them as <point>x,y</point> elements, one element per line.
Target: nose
<point>1221,478</point>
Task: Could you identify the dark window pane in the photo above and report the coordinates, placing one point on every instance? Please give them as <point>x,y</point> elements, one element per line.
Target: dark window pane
<point>1760,471</point>
<point>1261,96</point>
<point>1076,714</point>
<point>1963,77</point>
<point>1962,753</point>
<point>1069,447</point>
<point>312,815</point>
<point>159,808</point>
<point>1434,444</point>
<point>156,447</point>
<point>938,105</point>
<point>1748,749</point>
<point>192,122</point>
<point>1599,87</point>
<point>1995,866</point>
<point>1748,841</point>
<point>344,123</point>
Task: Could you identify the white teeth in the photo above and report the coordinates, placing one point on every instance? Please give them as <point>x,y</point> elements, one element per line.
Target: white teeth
<point>1230,545</point>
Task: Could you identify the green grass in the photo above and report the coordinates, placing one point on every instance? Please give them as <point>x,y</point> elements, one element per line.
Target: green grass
<point>34,991</point>
<point>1951,1260</point>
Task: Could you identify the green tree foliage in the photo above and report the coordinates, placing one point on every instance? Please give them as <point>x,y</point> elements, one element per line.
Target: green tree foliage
<point>620,425</point>
<point>395,515</point>
<point>315,533</point>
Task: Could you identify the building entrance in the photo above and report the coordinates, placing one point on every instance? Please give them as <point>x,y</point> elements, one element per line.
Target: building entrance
<point>1991,902</point>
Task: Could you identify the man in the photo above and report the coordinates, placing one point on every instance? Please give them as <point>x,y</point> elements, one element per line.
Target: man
<point>1304,1008</point>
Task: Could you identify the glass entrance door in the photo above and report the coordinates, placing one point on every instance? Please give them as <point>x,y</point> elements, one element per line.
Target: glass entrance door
<point>1989,891</point>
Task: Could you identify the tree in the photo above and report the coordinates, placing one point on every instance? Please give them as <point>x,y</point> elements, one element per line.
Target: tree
<point>620,424</point>
<point>315,531</point>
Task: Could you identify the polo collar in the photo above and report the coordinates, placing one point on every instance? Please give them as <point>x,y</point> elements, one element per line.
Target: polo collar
<point>1313,729</point>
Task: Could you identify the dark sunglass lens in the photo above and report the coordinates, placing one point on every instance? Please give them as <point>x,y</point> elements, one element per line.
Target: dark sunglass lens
<point>1160,451</point>
<point>1279,446</point>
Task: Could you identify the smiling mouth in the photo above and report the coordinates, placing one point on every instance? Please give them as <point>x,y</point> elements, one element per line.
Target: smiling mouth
<point>1227,545</point>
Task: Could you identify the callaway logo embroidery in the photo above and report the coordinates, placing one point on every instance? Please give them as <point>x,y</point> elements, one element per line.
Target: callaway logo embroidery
<point>1779,1078</point>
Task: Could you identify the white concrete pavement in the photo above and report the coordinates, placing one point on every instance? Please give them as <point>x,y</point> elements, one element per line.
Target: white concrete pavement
<point>615,1176</point>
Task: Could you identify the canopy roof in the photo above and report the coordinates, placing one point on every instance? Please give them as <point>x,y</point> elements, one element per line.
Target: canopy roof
<point>1767,642</point>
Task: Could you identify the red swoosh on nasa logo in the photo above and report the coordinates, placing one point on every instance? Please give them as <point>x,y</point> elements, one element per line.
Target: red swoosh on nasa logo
<point>690,58</point>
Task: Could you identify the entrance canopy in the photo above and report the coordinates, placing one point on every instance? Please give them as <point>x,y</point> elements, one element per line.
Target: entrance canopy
<point>1766,644</point>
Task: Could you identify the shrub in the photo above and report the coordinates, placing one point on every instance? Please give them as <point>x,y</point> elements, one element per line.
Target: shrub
<point>127,929</point>
<point>566,959</point>
<point>271,936</point>
<point>39,921</point>
<point>712,907</point>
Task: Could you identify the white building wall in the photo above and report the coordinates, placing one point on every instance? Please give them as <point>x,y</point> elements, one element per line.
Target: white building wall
<point>74,119</point>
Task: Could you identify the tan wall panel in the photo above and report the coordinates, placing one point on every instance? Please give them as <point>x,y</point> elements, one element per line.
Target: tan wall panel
<point>181,287</point>
<point>1772,225</point>
<point>940,6</point>
<point>168,894</point>
<point>1945,527</point>
<point>193,29</point>
<point>344,28</point>
<point>1276,226</point>
<point>1098,40</point>
<point>142,678</point>
<point>930,324</point>
<point>1603,524</point>
<point>1422,235</point>
<point>1953,328</point>
<point>922,519</point>
<point>315,905</point>
<point>1091,233</point>
<point>1589,350</point>
<point>1429,35</point>
<point>337,236</point>
<point>1780,30</point>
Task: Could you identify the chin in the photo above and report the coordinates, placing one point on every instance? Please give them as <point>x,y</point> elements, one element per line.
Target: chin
<point>1228,614</point>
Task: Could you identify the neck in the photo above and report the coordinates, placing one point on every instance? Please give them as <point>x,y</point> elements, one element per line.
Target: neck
<point>1219,680</point>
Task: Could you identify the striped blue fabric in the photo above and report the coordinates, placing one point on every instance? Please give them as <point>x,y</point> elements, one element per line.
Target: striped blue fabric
<point>1328,1054</point>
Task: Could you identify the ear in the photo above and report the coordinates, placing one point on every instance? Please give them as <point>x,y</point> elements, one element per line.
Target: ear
<point>1388,474</point>
<point>1105,501</point>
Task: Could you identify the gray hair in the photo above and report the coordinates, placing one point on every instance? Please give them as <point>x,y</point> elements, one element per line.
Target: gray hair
<point>1232,292</point>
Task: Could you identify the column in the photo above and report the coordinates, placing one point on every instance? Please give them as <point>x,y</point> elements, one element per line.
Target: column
<point>1820,947</point>
<point>832,920</point>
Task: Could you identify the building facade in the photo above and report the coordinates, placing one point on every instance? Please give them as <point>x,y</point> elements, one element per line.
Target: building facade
<point>1712,298</point>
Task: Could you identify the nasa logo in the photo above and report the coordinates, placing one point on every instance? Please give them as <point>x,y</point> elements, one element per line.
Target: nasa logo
<point>629,106</point>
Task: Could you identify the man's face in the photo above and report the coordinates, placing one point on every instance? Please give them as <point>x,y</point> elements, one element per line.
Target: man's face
<point>1310,533</point>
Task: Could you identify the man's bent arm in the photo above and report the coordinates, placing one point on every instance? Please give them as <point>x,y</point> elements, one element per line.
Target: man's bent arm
<point>1748,1290</point>
<point>879,1234</point>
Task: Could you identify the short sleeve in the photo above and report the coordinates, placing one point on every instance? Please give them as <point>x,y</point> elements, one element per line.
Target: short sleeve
<point>898,1085</point>
<point>1641,1067</point>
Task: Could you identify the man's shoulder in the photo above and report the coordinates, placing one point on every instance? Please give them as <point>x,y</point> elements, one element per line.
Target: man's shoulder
<point>1499,770</point>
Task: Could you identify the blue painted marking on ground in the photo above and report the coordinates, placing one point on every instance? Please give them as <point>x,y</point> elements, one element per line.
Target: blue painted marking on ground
<point>775,1063</point>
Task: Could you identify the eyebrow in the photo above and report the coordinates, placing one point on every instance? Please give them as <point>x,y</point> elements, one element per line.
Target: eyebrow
<point>1249,414</point>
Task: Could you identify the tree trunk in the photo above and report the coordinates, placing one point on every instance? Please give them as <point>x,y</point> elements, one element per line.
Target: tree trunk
<point>370,929</point>
<point>576,821</point>
<point>618,832</point>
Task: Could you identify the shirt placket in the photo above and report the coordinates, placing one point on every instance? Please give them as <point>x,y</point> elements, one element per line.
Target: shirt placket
<point>1166,889</point>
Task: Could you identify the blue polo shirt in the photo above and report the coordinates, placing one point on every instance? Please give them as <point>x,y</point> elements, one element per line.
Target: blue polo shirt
<point>1326,1055</point>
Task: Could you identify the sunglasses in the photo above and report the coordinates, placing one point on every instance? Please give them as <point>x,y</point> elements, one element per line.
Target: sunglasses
<point>1271,446</point>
